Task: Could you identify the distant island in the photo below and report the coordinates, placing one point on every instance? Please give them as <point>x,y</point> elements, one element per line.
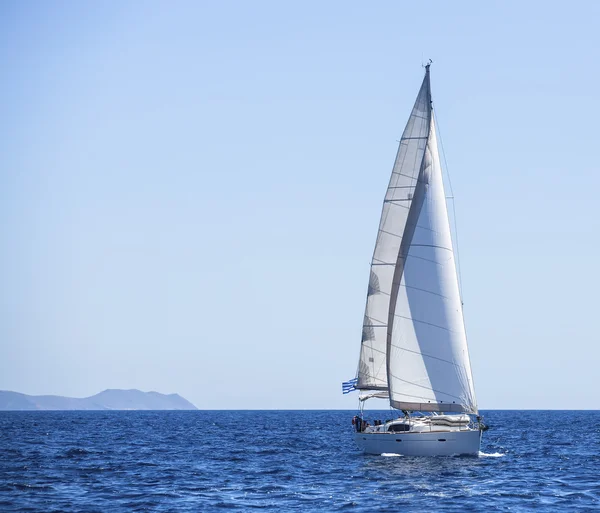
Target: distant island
<point>111,399</point>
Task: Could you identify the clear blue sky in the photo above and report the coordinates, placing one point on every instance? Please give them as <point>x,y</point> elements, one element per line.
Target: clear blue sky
<point>190,192</point>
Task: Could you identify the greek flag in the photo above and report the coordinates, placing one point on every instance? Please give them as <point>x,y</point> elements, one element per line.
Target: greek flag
<point>349,386</point>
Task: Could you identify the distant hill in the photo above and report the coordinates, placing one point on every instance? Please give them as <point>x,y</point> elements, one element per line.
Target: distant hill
<point>111,399</point>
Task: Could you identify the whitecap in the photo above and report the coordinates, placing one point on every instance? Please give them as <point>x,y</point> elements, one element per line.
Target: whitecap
<point>390,454</point>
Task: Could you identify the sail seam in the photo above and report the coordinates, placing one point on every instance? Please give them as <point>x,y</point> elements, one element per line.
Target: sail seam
<point>424,322</point>
<point>428,356</point>
<point>375,349</point>
<point>430,246</point>
<point>384,263</point>
<point>423,258</point>
<point>421,386</point>
<point>428,228</point>
<point>377,320</point>
<point>390,233</point>
<point>405,176</point>
<point>384,294</point>
<point>423,290</point>
<point>392,203</point>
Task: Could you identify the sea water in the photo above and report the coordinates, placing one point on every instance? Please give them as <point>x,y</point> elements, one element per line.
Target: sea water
<point>287,461</point>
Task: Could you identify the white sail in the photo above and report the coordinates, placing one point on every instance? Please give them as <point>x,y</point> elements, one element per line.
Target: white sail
<point>372,371</point>
<point>427,356</point>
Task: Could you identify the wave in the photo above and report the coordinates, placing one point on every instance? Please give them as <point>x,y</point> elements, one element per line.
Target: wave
<point>491,454</point>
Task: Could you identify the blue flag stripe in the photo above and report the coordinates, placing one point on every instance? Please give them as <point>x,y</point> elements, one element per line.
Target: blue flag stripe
<point>349,386</point>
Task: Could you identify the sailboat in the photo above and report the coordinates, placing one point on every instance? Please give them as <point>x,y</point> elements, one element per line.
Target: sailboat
<point>414,347</point>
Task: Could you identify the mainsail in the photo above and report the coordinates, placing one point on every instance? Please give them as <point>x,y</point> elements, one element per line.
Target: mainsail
<point>372,373</point>
<point>414,342</point>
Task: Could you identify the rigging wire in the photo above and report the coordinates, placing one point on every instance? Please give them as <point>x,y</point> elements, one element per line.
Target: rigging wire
<point>451,197</point>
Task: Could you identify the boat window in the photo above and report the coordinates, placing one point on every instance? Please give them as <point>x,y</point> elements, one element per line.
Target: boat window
<point>399,427</point>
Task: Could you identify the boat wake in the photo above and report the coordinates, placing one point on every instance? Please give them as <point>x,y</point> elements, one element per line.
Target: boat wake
<point>491,455</point>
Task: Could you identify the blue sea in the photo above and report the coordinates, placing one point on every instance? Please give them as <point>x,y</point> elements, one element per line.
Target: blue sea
<point>287,461</point>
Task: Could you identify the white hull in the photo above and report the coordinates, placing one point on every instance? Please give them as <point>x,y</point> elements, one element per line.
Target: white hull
<point>438,443</point>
